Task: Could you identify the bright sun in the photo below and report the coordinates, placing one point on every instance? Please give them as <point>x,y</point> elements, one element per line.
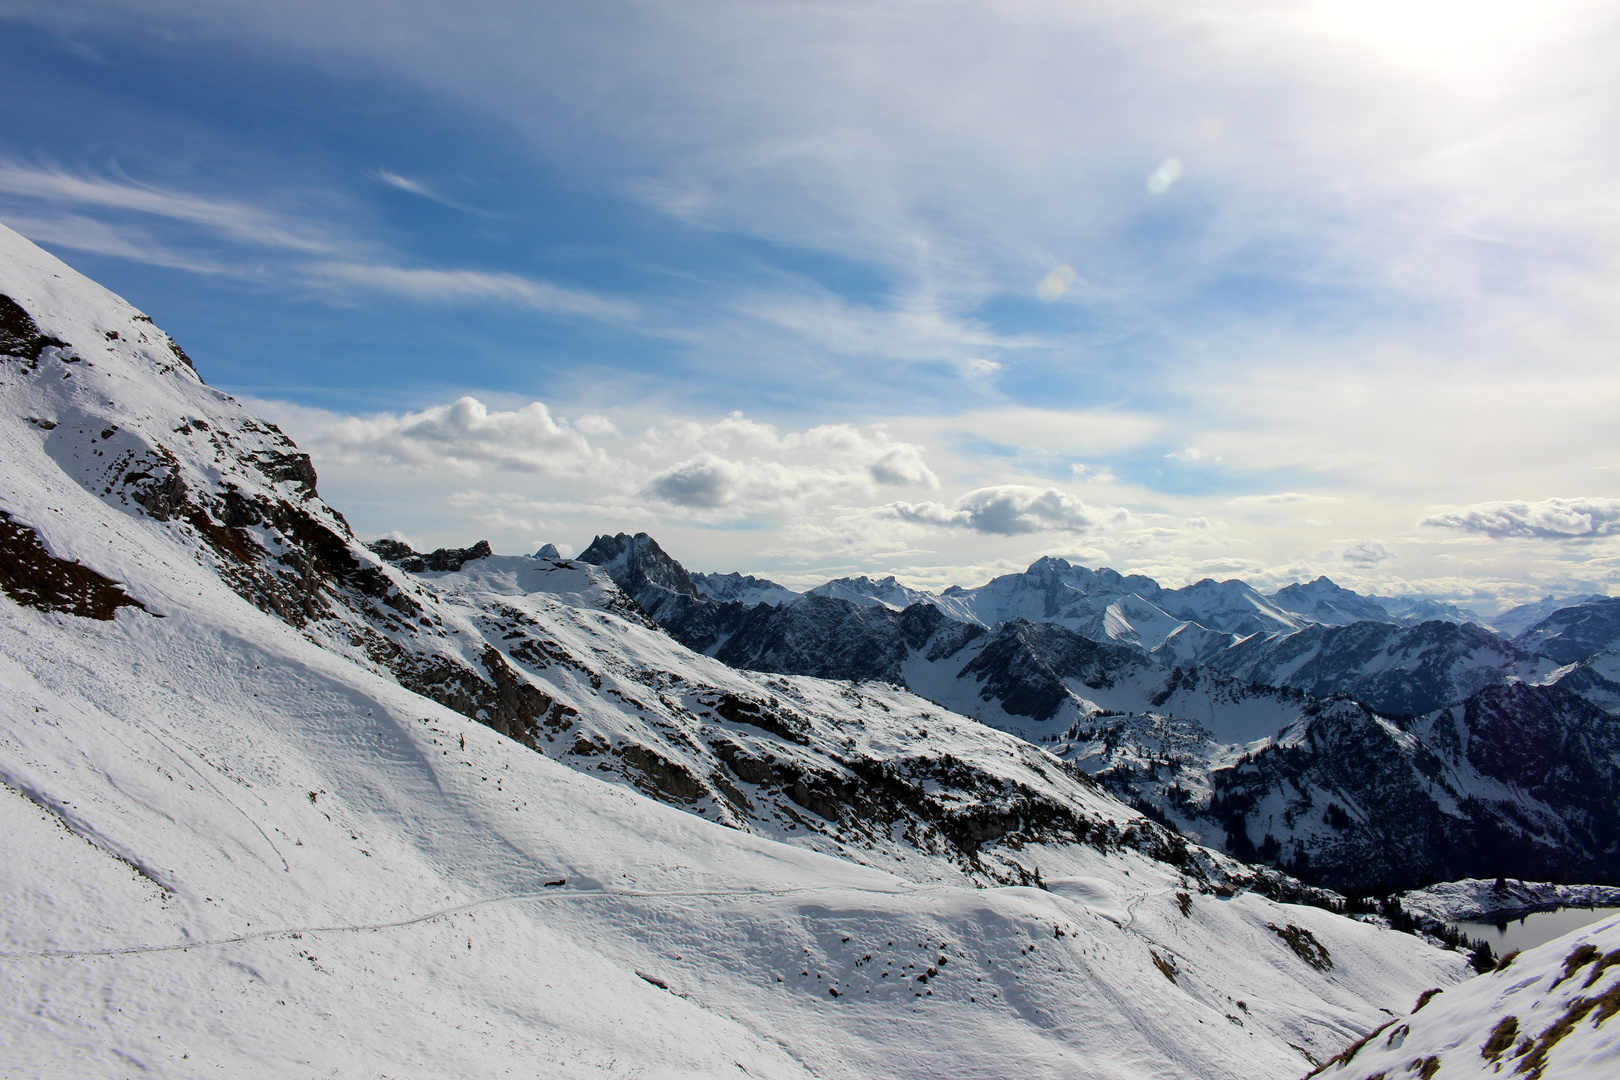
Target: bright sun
<point>1437,31</point>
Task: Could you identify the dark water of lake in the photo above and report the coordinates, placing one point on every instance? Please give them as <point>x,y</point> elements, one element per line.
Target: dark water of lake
<point>1537,928</point>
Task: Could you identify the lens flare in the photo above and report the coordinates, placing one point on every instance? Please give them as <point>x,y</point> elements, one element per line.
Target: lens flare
<point>1168,172</point>
<point>1056,283</point>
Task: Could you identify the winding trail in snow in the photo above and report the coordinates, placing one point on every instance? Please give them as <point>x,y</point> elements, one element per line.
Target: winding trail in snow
<point>511,898</point>
<point>1131,905</point>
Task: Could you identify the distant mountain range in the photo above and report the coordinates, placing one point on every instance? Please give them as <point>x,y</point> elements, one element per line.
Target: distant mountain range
<point>1281,728</point>
<point>1133,609</point>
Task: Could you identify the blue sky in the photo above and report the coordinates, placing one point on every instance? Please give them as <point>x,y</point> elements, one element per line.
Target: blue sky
<point>1255,289</point>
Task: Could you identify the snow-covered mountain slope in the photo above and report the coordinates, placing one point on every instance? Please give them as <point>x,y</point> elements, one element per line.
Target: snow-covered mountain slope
<point>1549,1013</point>
<point>1410,610</point>
<point>227,848</point>
<point>748,591</point>
<point>1517,780</point>
<point>1037,679</point>
<point>1398,670</point>
<point>251,829</point>
<point>1572,634</point>
<point>1230,606</point>
<point>1596,678</point>
<point>1322,601</point>
<point>1031,678</point>
<point>1516,620</point>
<point>886,592</point>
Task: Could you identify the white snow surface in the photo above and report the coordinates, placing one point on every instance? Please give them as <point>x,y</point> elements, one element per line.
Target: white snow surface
<point>1516,620</point>
<point>1549,1013</point>
<point>884,592</point>
<point>236,849</point>
<point>750,591</point>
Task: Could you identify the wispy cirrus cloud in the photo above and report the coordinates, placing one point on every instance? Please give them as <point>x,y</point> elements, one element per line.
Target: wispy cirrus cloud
<point>81,233</point>
<point>1548,519</point>
<point>238,221</point>
<point>449,286</point>
<point>259,229</point>
<point>419,188</point>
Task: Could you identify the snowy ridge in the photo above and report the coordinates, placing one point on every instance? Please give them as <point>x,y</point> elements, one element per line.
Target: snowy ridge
<point>748,591</point>
<point>1515,621</point>
<point>284,814</point>
<point>1397,670</point>
<point>1546,1013</point>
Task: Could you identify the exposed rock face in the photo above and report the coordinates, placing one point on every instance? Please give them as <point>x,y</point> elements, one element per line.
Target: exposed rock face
<point>637,562</point>
<point>31,575</point>
<point>20,336</point>
<point>443,560</point>
<point>1026,665</point>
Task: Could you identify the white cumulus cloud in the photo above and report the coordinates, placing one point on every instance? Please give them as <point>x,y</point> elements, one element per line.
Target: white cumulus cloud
<point>1552,519</point>
<point>464,436</point>
<point>1009,510</point>
<point>748,465</point>
<point>1366,553</point>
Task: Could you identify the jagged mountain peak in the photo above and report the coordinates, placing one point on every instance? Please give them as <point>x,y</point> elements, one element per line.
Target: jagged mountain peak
<point>885,591</point>
<point>743,588</point>
<point>637,561</point>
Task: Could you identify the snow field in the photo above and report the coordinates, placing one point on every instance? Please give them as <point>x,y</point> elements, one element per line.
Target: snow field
<point>237,849</point>
<point>1549,1013</point>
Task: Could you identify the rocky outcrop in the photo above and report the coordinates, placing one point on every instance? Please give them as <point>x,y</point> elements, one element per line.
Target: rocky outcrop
<point>20,336</point>
<point>35,578</point>
<point>442,560</point>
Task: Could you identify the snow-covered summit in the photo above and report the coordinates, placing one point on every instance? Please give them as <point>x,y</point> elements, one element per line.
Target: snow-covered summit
<point>747,590</point>
<point>1322,601</point>
<point>885,592</point>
